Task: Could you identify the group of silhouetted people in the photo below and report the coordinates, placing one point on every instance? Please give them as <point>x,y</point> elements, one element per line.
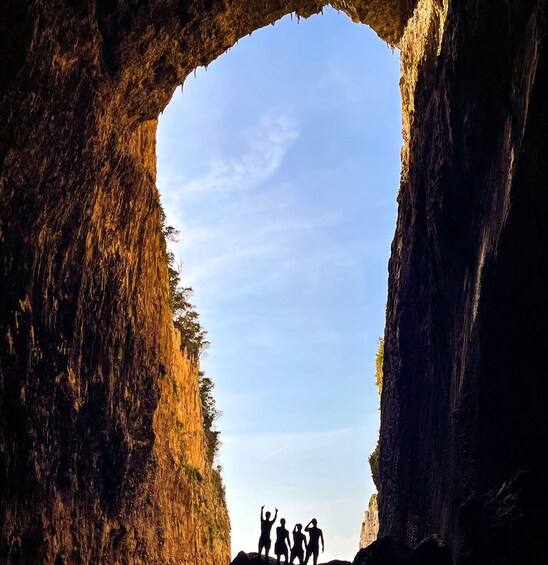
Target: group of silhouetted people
<point>283,547</point>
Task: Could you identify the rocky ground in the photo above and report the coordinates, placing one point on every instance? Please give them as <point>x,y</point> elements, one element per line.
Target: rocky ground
<point>385,551</point>
<point>252,559</point>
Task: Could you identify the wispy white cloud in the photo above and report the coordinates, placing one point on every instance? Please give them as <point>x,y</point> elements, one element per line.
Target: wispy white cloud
<point>294,438</point>
<point>274,454</point>
<point>215,269</point>
<point>266,146</point>
<point>257,241</point>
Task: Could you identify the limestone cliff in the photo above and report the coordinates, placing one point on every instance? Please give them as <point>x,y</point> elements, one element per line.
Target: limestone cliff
<point>370,524</point>
<point>101,456</point>
<point>102,451</point>
<point>464,419</point>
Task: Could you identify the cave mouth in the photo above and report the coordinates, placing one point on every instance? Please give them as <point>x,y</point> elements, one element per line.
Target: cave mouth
<point>279,167</point>
<point>90,425</point>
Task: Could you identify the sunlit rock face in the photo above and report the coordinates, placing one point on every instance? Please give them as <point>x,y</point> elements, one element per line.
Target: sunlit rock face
<point>370,524</point>
<point>101,444</point>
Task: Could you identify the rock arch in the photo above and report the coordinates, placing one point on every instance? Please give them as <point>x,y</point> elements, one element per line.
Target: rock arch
<point>93,438</point>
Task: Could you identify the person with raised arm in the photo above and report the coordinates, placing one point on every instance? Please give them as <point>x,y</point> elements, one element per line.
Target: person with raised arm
<point>266,528</point>
<point>314,542</point>
<point>299,544</point>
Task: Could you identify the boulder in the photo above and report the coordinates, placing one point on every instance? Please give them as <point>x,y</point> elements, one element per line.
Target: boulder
<point>252,559</point>
<point>507,524</point>
<point>431,551</point>
<point>385,551</point>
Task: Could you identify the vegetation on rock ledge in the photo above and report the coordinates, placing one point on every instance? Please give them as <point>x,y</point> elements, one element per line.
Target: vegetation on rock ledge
<point>374,457</point>
<point>193,337</point>
<point>379,360</point>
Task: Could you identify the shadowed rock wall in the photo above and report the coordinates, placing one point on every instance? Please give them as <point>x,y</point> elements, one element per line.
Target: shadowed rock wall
<point>465,398</point>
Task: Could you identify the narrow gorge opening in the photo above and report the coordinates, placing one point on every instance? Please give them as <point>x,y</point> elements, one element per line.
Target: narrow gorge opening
<point>280,166</point>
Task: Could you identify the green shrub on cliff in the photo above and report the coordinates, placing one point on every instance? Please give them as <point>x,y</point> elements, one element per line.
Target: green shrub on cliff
<point>193,336</point>
<point>379,359</point>
<point>210,414</point>
<point>374,457</point>
<point>185,317</point>
<point>219,485</point>
<point>374,465</point>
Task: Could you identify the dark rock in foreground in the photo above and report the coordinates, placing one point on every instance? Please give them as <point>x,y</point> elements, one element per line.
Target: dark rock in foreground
<point>518,510</point>
<point>431,551</point>
<point>389,551</point>
<point>385,551</point>
<point>248,558</point>
<point>253,559</point>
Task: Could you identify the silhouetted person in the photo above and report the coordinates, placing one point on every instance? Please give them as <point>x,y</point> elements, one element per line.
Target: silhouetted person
<point>314,542</point>
<point>299,544</point>
<point>266,528</point>
<point>282,541</point>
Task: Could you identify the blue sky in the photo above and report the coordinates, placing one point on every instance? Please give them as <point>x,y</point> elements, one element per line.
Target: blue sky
<point>280,167</point>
